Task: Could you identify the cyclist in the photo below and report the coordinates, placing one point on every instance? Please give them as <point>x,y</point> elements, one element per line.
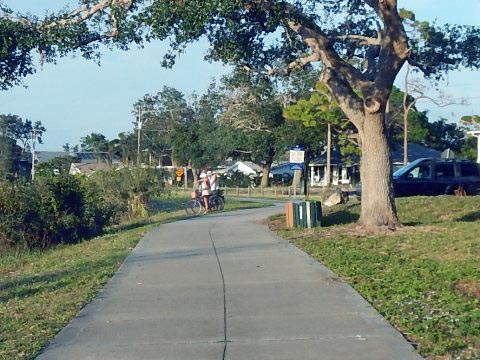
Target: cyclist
<point>205,188</point>
<point>214,182</point>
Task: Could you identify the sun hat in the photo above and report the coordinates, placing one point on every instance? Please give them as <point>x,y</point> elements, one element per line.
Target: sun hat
<point>209,173</point>
<point>202,175</point>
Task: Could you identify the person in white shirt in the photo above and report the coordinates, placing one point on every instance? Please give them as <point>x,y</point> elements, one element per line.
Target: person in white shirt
<point>214,182</point>
<point>205,189</point>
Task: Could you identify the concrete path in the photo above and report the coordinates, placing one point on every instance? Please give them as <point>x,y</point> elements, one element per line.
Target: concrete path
<point>225,287</point>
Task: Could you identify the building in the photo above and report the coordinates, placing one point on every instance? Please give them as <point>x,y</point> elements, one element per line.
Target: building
<point>246,167</point>
<point>347,172</point>
<point>83,162</point>
<point>415,151</point>
<point>87,168</point>
<point>342,171</point>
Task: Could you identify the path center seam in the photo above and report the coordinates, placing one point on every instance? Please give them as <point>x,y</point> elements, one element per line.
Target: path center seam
<point>224,293</point>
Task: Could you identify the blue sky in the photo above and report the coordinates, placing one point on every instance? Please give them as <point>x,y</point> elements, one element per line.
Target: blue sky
<point>76,97</point>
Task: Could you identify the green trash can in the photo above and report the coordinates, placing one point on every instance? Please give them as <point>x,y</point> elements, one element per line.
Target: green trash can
<point>307,214</point>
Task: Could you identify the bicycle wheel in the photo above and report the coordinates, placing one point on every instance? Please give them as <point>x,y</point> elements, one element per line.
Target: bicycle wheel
<point>213,204</point>
<point>188,207</point>
<point>194,207</point>
<point>220,204</point>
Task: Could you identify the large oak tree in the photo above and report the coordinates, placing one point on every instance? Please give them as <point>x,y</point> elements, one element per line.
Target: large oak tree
<point>361,45</point>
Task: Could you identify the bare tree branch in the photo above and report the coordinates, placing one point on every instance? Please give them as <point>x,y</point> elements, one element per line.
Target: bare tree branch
<point>347,99</point>
<point>394,50</point>
<point>239,112</point>
<point>315,39</point>
<point>302,62</point>
<point>320,44</point>
<point>362,40</point>
<point>79,15</point>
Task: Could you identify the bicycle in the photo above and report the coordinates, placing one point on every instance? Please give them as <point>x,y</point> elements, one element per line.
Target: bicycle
<point>196,205</point>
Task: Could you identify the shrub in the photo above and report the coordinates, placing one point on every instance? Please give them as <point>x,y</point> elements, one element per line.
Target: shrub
<point>28,216</point>
<point>233,179</point>
<point>129,191</point>
<point>67,209</point>
<point>51,210</point>
<point>284,179</point>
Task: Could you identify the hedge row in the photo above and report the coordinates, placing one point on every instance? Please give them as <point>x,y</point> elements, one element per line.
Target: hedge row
<point>68,209</point>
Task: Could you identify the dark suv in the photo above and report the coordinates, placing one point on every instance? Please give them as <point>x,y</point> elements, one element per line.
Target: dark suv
<point>437,177</point>
<point>430,177</point>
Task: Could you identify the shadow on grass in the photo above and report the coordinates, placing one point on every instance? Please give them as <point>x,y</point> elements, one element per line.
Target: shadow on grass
<point>29,286</point>
<point>128,226</point>
<point>347,214</point>
<point>412,223</point>
<point>166,206</point>
<point>472,217</point>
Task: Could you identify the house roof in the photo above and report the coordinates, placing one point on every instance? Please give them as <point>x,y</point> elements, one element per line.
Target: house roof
<point>415,151</point>
<point>335,159</point>
<point>254,167</point>
<point>92,157</point>
<point>45,156</point>
<point>82,156</point>
<point>87,168</point>
<point>281,168</point>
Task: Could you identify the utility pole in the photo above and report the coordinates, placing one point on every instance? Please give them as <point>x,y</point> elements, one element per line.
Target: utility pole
<point>34,136</point>
<point>140,112</point>
<point>139,128</point>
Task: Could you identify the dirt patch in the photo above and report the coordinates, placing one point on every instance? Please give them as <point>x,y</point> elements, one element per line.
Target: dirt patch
<point>275,223</point>
<point>354,230</point>
<point>472,352</point>
<point>469,288</point>
<point>447,217</point>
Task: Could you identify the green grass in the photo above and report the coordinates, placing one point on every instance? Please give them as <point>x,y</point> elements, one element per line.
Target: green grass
<point>40,292</point>
<point>424,278</point>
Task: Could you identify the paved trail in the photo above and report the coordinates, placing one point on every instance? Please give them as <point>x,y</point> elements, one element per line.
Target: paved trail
<point>225,287</point>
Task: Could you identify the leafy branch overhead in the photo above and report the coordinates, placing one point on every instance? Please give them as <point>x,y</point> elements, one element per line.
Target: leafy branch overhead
<point>259,34</point>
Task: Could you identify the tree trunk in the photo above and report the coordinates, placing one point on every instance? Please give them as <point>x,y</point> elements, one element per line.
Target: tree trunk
<point>378,203</point>
<point>266,174</point>
<point>405,139</point>
<point>195,177</point>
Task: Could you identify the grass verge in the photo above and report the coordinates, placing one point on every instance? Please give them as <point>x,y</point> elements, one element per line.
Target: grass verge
<point>40,292</point>
<point>424,278</point>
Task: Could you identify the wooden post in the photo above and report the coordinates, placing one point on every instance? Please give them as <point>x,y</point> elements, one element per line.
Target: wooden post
<point>275,191</point>
<point>238,191</point>
<point>248,191</point>
<point>261,191</point>
<point>289,215</point>
<point>185,170</point>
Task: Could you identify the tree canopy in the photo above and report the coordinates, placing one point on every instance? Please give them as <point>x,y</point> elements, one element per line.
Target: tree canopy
<point>259,34</point>
<point>13,131</point>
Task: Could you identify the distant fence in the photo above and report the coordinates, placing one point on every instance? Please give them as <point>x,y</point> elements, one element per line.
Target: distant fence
<point>274,191</point>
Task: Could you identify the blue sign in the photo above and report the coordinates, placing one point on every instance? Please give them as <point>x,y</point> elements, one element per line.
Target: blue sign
<point>296,166</point>
<point>297,148</point>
